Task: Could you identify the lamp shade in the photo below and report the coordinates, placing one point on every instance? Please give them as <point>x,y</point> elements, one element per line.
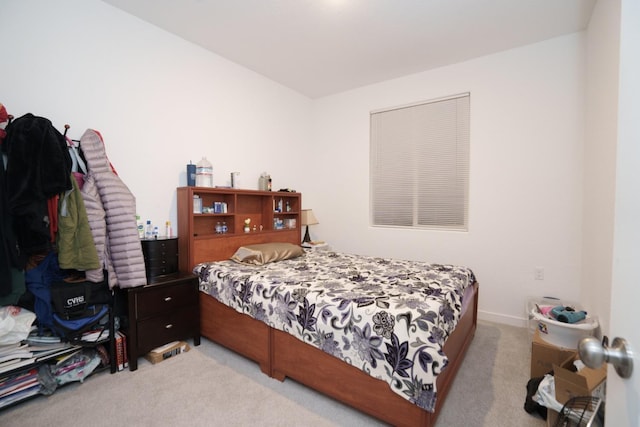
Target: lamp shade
<point>308,218</point>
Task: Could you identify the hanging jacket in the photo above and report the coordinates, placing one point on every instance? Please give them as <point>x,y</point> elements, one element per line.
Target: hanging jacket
<point>98,226</point>
<point>11,262</point>
<point>38,168</point>
<point>123,249</point>
<point>74,240</point>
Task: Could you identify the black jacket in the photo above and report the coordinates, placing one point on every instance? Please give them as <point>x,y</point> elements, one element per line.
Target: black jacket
<point>9,250</point>
<point>38,168</point>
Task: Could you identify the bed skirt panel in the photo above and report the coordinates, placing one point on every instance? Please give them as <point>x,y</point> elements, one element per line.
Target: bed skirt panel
<point>281,355</point>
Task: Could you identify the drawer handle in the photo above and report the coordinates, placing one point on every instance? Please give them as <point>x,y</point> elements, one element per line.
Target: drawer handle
<point>169,326</point>
<point>167,299</point>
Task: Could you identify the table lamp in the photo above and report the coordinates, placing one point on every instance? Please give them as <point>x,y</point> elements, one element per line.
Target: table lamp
<point>307,219</point>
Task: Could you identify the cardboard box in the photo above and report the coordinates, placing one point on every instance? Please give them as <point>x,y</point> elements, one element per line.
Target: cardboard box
<point>552,418</point>
<point>587,382</point>
<point>159,354</point>
<point>545,355</point>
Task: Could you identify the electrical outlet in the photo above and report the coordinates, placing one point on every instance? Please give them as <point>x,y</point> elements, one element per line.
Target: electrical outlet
<point>538,273</point>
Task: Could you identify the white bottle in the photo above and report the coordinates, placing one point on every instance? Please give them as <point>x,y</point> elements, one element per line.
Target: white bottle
<point>140,226</point>
<point>156,232</point>
<point>167,229</point>
<point>262,182</point>
<point>148,230</point>
<point>204,173</point>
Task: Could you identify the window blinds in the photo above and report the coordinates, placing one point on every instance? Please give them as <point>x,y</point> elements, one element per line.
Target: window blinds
<point>420,165</point>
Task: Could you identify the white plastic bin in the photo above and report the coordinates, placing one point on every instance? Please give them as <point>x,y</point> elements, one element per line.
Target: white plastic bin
<point>565,335</point>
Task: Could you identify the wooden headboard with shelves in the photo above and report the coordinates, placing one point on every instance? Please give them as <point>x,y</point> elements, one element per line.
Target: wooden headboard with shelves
<point>198,240</point>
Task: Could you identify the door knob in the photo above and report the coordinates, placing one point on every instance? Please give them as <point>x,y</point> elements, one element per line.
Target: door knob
<point>593,353</point>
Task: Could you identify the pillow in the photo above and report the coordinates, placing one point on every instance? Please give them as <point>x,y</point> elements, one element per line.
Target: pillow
<point>266,252</point>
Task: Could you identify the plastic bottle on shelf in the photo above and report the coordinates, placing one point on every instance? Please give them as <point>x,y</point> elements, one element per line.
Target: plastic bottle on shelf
<point>155,232</point>
<point>140,227</point>
<point>224,227</point>
<point>148,230</point>
<point>167,229</point>
<point>204,173</point>
<point>262,182</point>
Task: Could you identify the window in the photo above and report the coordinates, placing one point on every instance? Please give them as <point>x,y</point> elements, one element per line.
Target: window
<point>420,165</point>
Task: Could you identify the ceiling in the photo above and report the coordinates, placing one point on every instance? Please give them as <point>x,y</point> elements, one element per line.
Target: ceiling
<point>322,47</point>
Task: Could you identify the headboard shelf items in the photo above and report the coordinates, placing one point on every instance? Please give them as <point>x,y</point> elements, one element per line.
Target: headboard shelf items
<point>214,222</point>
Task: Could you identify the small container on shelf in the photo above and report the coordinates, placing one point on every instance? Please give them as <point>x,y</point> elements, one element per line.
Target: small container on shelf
<point>220,207</point>
<point>264,183</point>
<point>278,224</point>
<point>204,173</point>
<point>148,230</point>
<point>140,227</point>
<point>197,204</point>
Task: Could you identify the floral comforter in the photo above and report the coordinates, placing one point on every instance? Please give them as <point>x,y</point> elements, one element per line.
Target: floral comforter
<point>388,317</point>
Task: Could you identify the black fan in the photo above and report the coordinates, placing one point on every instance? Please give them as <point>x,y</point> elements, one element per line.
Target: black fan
<point>582,411</point>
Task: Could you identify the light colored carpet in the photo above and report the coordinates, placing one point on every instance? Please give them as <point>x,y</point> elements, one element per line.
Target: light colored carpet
<point>211,386</point>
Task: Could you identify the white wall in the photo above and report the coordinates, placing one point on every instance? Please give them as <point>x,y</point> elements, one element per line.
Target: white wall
<point>527,121</point>
<point>158,100</point>
<point>603,41</point>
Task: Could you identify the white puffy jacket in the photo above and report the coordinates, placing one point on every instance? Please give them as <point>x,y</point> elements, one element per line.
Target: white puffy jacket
<point>111,209</point>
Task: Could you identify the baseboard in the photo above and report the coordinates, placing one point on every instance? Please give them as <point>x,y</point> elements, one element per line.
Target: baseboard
<point>503,319</point>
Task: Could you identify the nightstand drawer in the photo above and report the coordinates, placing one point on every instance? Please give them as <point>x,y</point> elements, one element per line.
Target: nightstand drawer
<point>160,330</point>
<point>165,299</point>
<point>162,268</point>
<point>160,248</point>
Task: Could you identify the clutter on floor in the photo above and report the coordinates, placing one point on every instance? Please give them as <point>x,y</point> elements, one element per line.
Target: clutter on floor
<point>561,389</point>
<point>560,323</point>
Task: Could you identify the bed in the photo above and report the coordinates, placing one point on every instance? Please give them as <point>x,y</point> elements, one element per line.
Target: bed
<point>292,319</point>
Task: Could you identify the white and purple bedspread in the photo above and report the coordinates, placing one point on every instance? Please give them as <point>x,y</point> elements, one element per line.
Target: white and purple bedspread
<point>388,317</point>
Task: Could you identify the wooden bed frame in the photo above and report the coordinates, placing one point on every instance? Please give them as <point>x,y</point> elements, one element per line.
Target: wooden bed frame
<point>281,355</point>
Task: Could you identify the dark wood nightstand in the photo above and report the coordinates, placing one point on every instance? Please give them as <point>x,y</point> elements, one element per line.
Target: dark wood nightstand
<point>167,309</point>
